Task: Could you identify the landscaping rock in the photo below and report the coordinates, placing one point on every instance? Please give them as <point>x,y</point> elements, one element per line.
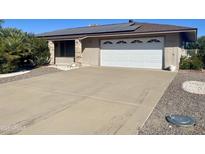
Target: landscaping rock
<point>195,87</point>
<point>177,101</point>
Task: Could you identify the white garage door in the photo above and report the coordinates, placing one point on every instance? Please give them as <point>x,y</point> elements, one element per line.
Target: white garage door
<point>137,53</point>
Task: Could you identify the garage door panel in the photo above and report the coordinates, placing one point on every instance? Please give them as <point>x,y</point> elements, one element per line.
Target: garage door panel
<point>143,55</point>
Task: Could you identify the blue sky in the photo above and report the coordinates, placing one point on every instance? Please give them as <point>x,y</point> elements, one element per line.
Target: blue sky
<point>45,25</point>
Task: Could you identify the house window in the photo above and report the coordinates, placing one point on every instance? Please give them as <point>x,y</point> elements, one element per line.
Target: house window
<point>107,42</point>
<point>136,41</point>
<point>153,41</point>
<point>62,49</point>
<point>121,42</point>
<point>70,48</point>
<point>65,49</point>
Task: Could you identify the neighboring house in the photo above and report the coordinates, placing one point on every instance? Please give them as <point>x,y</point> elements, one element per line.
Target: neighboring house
<point>132,44</point>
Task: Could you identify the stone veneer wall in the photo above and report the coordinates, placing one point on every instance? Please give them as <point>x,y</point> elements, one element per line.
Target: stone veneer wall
<point>51,47</point>
<point>78,51</point>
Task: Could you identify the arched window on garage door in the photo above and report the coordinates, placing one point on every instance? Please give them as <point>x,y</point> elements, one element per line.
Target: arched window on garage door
<point>154,41</point>
<point>107,42</point>
<point>136,41</point>
<point>121,42</point>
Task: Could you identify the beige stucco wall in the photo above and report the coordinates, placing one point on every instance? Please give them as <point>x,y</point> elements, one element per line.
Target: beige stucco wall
<point>172,50</point>
<point>88,50</point>
<point>91,51</point>
<point>64,60</point>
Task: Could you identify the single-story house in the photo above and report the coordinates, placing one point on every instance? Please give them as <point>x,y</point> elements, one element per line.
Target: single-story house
<point>132,44</point>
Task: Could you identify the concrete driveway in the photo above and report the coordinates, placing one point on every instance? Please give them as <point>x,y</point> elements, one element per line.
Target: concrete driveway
<point>84,101</point>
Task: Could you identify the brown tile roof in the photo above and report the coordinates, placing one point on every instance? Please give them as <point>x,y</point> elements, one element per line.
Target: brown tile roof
<point>134,27</point>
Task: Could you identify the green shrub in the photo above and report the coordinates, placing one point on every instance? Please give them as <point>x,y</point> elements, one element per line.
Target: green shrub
<point>7,63</point>
<point>198,45</point>
<point>40,51</point>
<point>196,63</point>
<point>185,63</point>
<point>12,42</point>
<point>19,50</point>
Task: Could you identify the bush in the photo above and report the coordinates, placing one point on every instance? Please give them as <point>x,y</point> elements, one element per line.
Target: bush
<point>199,45</point>
<point>19,50</point>
<point>40,51</point>
<point>11,48</point>
<point>185,63</point>
<point>194,62</point>
<point>7,63</point>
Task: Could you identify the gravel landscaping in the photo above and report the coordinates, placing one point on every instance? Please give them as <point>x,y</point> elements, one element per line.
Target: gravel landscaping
<point>35,72</point>
<point>177,101</point>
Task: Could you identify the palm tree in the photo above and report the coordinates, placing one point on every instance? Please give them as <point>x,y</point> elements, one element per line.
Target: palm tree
<point>19,50</point>
<point>14,47</point>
